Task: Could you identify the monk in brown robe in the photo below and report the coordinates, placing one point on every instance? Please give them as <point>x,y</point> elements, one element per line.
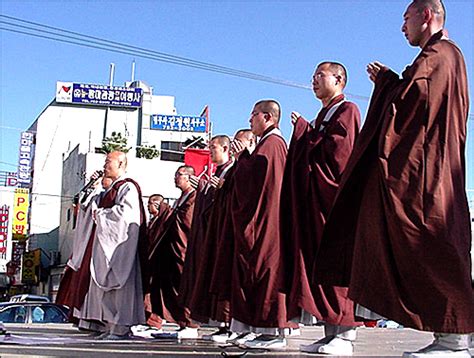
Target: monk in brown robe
<point>167,258</point>
<point>220,236</point>
<point>400,223</point>
<point>256,302</point>
<point>195,281</point>
<point>159,211</point>
<point>317,156</point>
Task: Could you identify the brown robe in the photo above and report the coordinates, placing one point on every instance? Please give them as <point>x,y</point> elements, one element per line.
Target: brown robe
<point>154,230</point>
<point>222,228</point>
<point>167,260</point>
<point>156,225</point>
<point>255,296</point>
<point>201,302</point>
<point>316,159</point>
<point>202,207</point>
<point>400,225</point>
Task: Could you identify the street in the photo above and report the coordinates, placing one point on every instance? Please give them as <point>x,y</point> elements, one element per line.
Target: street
<point>63,340</point>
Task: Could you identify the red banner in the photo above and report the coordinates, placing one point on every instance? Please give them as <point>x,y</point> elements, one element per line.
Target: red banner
<point>200,160</point>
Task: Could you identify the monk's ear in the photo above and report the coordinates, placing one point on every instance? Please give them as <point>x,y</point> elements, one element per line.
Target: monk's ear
<point>427,14</point>
<point>268,117</point>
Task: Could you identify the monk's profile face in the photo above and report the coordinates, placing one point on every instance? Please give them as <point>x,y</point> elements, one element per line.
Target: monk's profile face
<point>413,25</point>
<point>258,121</point>
<point>114,166</point>
<point>217,151</point>
<point>154,205</point>
<point>247,139</point>
<point>181,179</point>
<point>325,82</point>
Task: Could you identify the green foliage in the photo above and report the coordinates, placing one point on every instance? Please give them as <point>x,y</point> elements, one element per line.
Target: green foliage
<point>114,143</point>
<point>148,152</point>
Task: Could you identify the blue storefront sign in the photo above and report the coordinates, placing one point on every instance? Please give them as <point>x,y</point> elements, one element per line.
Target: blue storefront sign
<point>25,159</point>
<point>99,95</point>
<point>178,123</point>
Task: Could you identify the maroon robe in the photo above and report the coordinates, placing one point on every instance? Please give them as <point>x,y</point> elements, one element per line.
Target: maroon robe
<point>156,225</point>
<point>167,260</point>
<point>316,159</point>
<point>154,231</point>
<point>201,302</point>
<point>255,296</point>
<point>222,228</point>
<point>202,207</point>
<point>400,225</point>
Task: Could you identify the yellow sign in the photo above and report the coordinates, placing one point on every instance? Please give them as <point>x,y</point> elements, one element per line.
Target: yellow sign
<point>31,260</point>
<point>20,214</point>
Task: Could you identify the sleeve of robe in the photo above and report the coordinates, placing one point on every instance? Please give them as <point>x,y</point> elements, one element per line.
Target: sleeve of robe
<point>83,230</point>
<point>117,238</point>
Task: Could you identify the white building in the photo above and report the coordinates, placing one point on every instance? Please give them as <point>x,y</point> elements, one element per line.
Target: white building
<point>65,155</point>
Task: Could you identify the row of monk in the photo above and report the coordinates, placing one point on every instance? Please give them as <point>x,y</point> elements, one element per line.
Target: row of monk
<point>340,227</point>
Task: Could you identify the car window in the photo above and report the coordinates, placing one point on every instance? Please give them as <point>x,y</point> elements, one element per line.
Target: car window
<point>15,314</point>
<point>37,314</point>
<point>49,314</point>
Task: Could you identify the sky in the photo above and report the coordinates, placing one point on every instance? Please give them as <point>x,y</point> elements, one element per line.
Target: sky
<point>279,39</point>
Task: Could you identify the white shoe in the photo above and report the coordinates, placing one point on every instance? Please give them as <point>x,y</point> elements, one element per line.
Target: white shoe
<point>145,331</point>
<point>266,342</point>
<point>243,337</point>
<point>188,333</point>
<point>224,337</point>
<point>314,347</point>
<point>337,346</point>
<point>292,332</point>
<point>437,350</point>
<point>208,337</point>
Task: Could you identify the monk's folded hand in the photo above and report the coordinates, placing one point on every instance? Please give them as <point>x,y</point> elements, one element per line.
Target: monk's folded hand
<point>294,117</point>
<point>215,182</point>
<point>194,181</point>
<point>374,68</point>
<point>237,146</point>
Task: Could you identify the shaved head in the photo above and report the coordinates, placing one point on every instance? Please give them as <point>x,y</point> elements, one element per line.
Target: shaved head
<point>222,139</point>
<point>115,165</point>
<point>270,106</point>
<point>436,6</point>
<point>338,69</point>
<point>245,134</point>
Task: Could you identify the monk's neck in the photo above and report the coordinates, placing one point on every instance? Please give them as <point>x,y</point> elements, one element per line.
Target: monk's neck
<point>329,100</point>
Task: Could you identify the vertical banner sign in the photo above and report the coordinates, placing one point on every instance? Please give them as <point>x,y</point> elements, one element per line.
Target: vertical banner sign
<point>20,214</point>
<point>28,270</point>
<point>25,159</point>
<point>6,217</point>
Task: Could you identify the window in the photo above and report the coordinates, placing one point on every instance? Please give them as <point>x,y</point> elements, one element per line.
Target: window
<point>172,151</point>
<point>15,314</point>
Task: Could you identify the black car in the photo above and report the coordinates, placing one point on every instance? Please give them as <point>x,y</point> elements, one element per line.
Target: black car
<point>33,312</point>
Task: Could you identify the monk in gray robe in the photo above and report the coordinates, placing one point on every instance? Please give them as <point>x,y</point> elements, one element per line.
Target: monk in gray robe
<point>400,224</point>
<point>115,296</point>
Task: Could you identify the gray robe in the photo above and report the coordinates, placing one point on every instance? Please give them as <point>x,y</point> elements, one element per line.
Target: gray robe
<point>115,294</point>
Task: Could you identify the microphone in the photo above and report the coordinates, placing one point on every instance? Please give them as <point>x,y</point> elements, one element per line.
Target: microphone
<point>87,189</point>
<point>92,181</point>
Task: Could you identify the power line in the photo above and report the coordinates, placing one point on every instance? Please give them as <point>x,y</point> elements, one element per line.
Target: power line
<point>79,39</point>
<point>108,45</point>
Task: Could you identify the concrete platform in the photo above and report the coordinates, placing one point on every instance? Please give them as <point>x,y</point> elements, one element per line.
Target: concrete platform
<point>59,340</point>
